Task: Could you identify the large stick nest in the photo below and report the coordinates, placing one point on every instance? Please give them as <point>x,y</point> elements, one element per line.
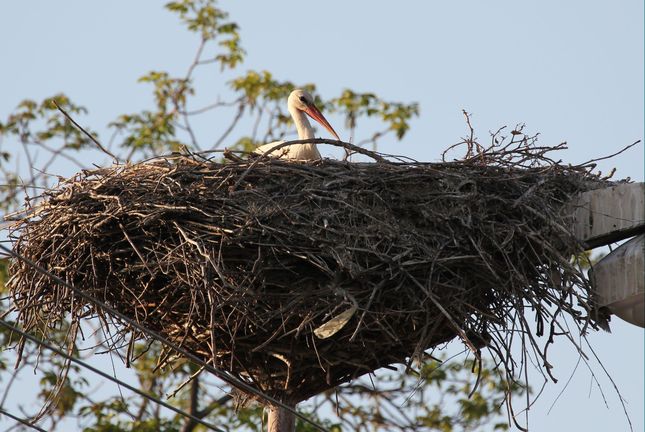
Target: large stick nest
<point>241,262</point>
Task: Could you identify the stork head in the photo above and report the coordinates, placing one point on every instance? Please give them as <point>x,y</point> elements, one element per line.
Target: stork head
<point>301,100</point>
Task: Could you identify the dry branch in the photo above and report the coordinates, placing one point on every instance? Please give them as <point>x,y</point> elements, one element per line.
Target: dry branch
<point>241,262</point>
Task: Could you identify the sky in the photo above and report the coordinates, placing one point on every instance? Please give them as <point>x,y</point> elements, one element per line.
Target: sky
<point>572,71</point>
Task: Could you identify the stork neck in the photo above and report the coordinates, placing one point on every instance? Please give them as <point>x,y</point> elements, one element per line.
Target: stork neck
<point>305,131</point>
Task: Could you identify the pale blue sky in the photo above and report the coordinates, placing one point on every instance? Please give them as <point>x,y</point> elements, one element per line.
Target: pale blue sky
<point>572,70</point>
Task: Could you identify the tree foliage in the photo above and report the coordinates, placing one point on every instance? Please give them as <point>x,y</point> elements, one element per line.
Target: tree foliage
<point>36,139</point>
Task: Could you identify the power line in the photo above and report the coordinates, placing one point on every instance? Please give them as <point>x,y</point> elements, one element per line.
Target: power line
<point>105,375</point>
<point>21,420</point>
<point>225,376</point>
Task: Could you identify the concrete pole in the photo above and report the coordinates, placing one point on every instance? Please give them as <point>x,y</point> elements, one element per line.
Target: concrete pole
<point>280,420</point>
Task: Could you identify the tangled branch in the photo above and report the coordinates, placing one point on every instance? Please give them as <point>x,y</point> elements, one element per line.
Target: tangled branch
<point>243,262</point>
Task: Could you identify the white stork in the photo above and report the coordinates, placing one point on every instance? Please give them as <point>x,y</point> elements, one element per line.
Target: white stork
<point>300,103</point>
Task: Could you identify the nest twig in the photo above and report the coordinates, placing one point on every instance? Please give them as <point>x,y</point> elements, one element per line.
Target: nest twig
<point>241,262</point>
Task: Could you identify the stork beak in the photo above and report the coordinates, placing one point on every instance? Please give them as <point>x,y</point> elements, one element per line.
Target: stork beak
<point>313,112</point>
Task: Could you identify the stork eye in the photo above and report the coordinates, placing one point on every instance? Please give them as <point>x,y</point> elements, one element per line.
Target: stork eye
<point>302,99</point>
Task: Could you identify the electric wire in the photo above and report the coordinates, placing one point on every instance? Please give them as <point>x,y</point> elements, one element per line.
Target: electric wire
<point>21,420</point>
<point>107,376</point>
<point>223,375</point>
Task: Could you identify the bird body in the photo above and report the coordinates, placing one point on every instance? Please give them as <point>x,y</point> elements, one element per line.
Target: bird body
<point>294,151</point>
<point>300,105</point>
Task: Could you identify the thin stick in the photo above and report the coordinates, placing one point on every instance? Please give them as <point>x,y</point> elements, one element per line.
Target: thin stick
<point>611,155</point>
<point>89,135</point>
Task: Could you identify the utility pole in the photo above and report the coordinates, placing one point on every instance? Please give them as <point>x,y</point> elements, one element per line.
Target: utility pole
<point>605,216</point>
<point>280,420</point>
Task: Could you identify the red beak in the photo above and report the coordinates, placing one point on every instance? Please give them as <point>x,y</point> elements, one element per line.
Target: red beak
<point>313,112</point>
